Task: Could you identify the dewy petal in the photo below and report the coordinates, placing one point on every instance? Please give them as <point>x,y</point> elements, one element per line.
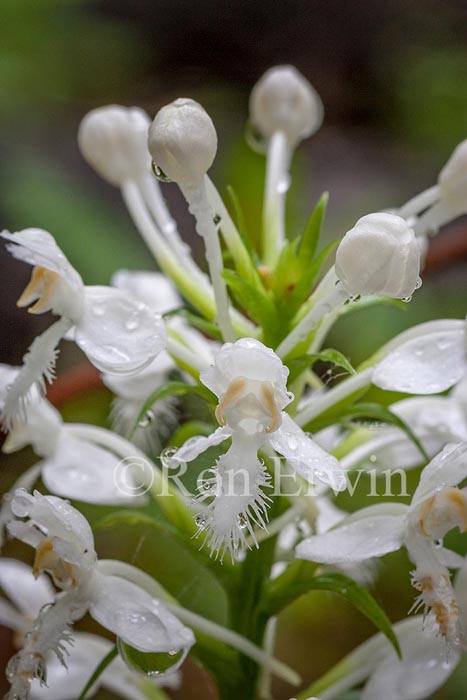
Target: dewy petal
<point>67,682</point>
<point>57,519</point>
<point>425,666</point>
<point>26,592</point>
<point>119,333</point>
<point>153,288</point>
<point>11,618</point>
<point>447,469</point>
<point>199,444</point>
<point>85,472</point>
<point>425,365</point>
<point>251,359</point>
<point>355,541</point>
<point>40,429</point>
<point>141,384</point>
<point>306,456</point>
<point>136,617</point>
<point>38,248</point>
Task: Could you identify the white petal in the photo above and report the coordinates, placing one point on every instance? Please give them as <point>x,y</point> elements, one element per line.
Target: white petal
<point>136,617</point>
<point>199,444</point>
<point>426,664</point>
<point>141,384</point>
<point>38,247</point>
<point>26,592</point>
<point>11,618</point>
<point>448,468</point>
<point>425,365</point>
<point>356,541</point>
<point>66,683</point>
<point>40,429</point>
<point>153,288</point>
<point>251,359</point>
<point>85,472</point>
<point>119,333</point>
<point>57,519</point>
<point>306,456</point>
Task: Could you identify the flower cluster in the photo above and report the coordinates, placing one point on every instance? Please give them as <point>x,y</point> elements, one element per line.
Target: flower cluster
<point>224,433</point>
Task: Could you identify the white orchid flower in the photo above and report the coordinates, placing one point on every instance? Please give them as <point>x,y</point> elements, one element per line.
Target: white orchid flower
<point>117,332</point>
<point>85,654</point>
<point>437,507</point>
<point>427,364</point>
<point>424,667</point>
<point>250,382</point>
<point>72,466</point>
<point>27,595</point>
<point>64,547</point>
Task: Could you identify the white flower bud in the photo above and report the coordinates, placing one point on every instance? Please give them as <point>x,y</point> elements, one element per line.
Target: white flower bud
<point>113,140</point>
<point>453,179</point>
<point>379,255</point>
<point>283,100</point>
<point>183,141</point>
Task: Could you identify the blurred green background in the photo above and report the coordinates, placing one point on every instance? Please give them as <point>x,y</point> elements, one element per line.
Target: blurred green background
<point>392,75</point>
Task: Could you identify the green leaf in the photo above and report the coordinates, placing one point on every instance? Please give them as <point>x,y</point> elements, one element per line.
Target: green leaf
<point>191,429</point>
<point>240,220</point>
<point>299,579</point>
<point>256,303</point>
<point>374,411</point>
<point>173,561</point>
<point>297,365</point>
<point>172,389</point>
<point>308,242</point>
<point>197,321</point>
<point>307,282</point>
<point>99,670</point>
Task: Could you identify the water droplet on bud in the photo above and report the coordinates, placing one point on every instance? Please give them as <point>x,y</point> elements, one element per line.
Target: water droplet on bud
<point>167,457</point>
<point>255,139</point>
<point>153,665</point>
<point>159,173</point>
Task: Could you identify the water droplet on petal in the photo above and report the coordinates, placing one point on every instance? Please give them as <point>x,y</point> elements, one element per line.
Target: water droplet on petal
<point>200,521</point>
<point>407,300</point>
<point>242,521</point>
<point>153,665</point>
<point>147,419</point>
<point>256,141</point>
<point>418,283</point>
<point>167,457</point>
<point>159,173</point>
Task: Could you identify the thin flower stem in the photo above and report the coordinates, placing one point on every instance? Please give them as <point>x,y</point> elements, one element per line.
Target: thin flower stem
<point>278,668</point>
<point>154,200</point>
<point>317,404</point>
<point>421,201</point>
<point>201,297</point>
<point>433,219</point>
<point>230,234</point>
<point>329,297</point>
<point>181,352</point>
<point>197,199</point>
<point>167,260</point>
<point>200,623</point>
<point>277,184</point>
